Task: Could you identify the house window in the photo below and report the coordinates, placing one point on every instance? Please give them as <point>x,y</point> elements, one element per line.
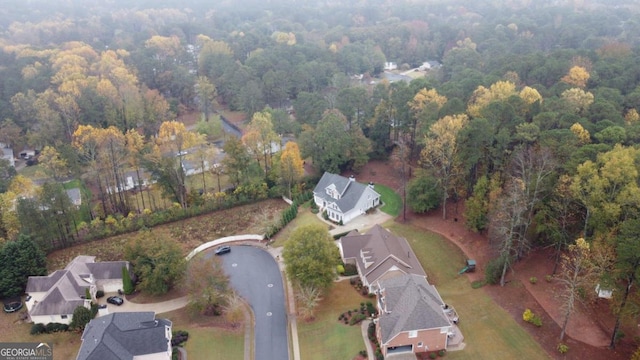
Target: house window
<point>63,316</point>
<point>413,334</point>
<point>420,344</point>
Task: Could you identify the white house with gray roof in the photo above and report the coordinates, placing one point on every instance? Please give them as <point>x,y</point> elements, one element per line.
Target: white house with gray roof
<point>344,198</point>
<point>126,336</point>
<point>53,298</point>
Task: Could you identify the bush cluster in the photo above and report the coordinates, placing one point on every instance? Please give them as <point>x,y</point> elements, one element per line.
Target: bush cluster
<point>49,328</point>
<point>563,348</point>
<point>371,334</point>
<point>350,270</point>
<point>179,337</point>
<point>531,318</point>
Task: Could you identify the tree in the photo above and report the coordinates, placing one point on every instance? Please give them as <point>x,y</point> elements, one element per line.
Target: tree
<point>577,274</point>
<point>291,165</point>
<point>53,164</point>
<point>577,76</point>
<point>207,93</point>
<point>477,206</point>
<point>20,259</point>
<point>127,284</point>
<point>237,161</point>
<point>627,273</point>
<point>424,194</point>
<point>440,154</point>
<point>311,257</point>
<point>157,262</point>
<point>309,298</point>
<point>259,138</point>
<point>81,317</point>
<point>506,221</point>
<point>207,285</point>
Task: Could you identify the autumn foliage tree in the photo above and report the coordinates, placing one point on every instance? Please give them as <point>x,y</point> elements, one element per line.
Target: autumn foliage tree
<point>576,274</point>
<point>207,285</point>
<point>291,165</point>
<point>440,153</point>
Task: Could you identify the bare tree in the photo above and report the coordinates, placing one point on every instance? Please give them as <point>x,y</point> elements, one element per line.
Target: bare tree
<point>577,272</point>
<point>309,298</point>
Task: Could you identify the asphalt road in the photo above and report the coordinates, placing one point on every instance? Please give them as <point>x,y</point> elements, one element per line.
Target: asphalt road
<point>255,275</point>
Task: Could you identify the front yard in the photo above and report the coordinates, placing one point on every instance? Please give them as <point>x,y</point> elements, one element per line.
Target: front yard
<point>326,337</point>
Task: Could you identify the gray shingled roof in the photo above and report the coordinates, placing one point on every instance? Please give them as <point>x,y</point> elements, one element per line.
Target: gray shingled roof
<point>350,191</point>
<point>411,304</point>
<point>66,288</point>
<point>107,270</point>
<point>384,250</point>
<point>120,336</point>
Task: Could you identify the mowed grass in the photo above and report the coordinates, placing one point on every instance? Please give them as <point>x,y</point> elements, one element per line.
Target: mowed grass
<point>392,201</point>
<point>208,338</point>
<point>65,344</point>
<point>304,217</point>
<point>326,337</point>
<point>489,331</point>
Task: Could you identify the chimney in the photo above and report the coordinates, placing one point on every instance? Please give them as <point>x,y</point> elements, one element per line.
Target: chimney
<point>352,178</point>
<point>371,184</point>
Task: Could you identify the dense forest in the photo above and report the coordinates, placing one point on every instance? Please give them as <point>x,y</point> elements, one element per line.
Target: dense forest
<point>528,110</point>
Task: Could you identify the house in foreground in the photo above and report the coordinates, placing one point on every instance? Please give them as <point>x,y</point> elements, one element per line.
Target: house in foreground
<point>126,336</point>
<point>343,198</point>
<point>413,318</point>
<point>378,254</point>
<point>54,297</point>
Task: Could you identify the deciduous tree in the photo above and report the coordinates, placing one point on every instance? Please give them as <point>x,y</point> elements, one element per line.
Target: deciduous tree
<point>576,274</point>
<point>291,165</point>
<point>207,285</point>
<point>440,154</point>
<point>310,257</point>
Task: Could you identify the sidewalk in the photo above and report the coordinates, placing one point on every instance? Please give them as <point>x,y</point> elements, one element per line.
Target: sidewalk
<point>364,326</point>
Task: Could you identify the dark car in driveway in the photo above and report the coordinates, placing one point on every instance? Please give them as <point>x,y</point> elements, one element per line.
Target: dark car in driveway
<point>115,300</point>
<point>12,306</point>
<point>223,250</point>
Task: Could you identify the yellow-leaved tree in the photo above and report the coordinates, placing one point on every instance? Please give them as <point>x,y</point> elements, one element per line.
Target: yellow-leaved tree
<point>440,154</point>
<point>577,76</point>
<point>291,165</point>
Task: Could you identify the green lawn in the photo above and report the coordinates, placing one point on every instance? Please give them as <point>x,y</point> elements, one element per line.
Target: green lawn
<point>208,339</point>
<point>392,201</point>
<point>214,344</point>
<point>325,337</point>
<point>304,217</point>
<point>489,331</point>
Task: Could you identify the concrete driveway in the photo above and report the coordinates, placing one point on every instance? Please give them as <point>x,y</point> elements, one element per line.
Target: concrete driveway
<point>255,275</point>
<point>158,308</point>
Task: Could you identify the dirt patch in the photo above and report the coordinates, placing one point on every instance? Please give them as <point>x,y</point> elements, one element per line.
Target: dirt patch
<point>190,233</point>
<point>590,325</point>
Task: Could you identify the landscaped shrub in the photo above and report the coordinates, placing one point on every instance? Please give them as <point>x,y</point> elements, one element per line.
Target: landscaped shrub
<point>442,353</point>
<point>340,269</point>
<point>127,284</point>
<point>563,348</point>
<point>350,270</point>
<point>357,318</point>
<point>99,294</point>
<point>56,327</point>
<point>371,309</point>
<point>363,353</point>
<point>37,329</point>
<point>179,337</point>
<point>433,355</point>
<point>379,355</point>
<point>531,318</point>
<point>533,280</point>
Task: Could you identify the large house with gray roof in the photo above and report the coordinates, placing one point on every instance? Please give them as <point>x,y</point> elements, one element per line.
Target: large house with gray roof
<point>413,317</point>
<point>378,254</point>
<point>344,198</point>
<point>53,298</point>
<point>126,336</point>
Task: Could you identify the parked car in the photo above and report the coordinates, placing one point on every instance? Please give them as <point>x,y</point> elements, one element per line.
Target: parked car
<point>12,306</point>
<point>223,250</point>
<point>115,300</point>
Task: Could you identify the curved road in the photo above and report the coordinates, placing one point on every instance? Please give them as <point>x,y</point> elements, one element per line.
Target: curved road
<point>256,277</point>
